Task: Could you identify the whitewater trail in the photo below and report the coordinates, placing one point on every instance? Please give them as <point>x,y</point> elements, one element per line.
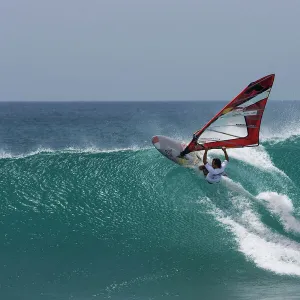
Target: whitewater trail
<point>282,206</point>
<point>278,204</point>
<point>267,249</point>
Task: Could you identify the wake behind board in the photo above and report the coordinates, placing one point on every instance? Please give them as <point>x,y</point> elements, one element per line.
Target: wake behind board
<point>171,149</point>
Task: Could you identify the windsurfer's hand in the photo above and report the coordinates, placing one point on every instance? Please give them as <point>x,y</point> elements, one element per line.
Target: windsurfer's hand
<point>224,149</point>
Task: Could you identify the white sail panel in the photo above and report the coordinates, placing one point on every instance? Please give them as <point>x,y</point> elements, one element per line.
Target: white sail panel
<point>227,127</point>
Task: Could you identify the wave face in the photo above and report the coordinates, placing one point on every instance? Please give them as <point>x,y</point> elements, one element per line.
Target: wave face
<point>90,210</point>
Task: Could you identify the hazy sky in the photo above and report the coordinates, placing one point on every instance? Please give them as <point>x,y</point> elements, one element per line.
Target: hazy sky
<point>147,50</point>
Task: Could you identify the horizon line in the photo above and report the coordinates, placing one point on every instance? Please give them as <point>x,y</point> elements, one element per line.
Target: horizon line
<point>118,101</point>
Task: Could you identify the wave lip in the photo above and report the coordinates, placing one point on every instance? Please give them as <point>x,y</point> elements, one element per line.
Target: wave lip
<point>91,150</point>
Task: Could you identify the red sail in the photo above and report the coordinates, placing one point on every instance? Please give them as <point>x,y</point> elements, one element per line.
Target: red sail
<point>238,123</point>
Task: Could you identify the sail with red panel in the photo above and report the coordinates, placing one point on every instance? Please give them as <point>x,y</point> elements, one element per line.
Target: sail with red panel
<point>238,123</point>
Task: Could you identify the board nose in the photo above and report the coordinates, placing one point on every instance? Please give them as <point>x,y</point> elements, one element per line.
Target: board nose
<point>155,140</point>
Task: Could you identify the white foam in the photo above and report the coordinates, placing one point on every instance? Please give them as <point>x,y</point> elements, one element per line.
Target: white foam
<point>266,249</point>
<point>236,187</point>
<point>257,157</point>
<point>282,206</point>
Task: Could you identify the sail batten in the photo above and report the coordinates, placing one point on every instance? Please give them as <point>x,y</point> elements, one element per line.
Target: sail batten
<point>223,133</point>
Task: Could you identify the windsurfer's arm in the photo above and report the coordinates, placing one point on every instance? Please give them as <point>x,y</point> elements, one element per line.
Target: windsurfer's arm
<point>225,153</point>
<point>205,156</point>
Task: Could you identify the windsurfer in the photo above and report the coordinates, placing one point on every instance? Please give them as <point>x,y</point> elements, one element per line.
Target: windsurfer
<point>214,171</point>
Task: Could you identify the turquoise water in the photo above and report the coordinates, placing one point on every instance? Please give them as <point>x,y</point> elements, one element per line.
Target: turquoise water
<point>91,210</point>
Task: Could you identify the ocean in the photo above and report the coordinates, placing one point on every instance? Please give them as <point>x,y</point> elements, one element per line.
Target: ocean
<point>91,210</point>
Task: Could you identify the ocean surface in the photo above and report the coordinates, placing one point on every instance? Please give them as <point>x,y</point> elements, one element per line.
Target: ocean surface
<point>91,210</point>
